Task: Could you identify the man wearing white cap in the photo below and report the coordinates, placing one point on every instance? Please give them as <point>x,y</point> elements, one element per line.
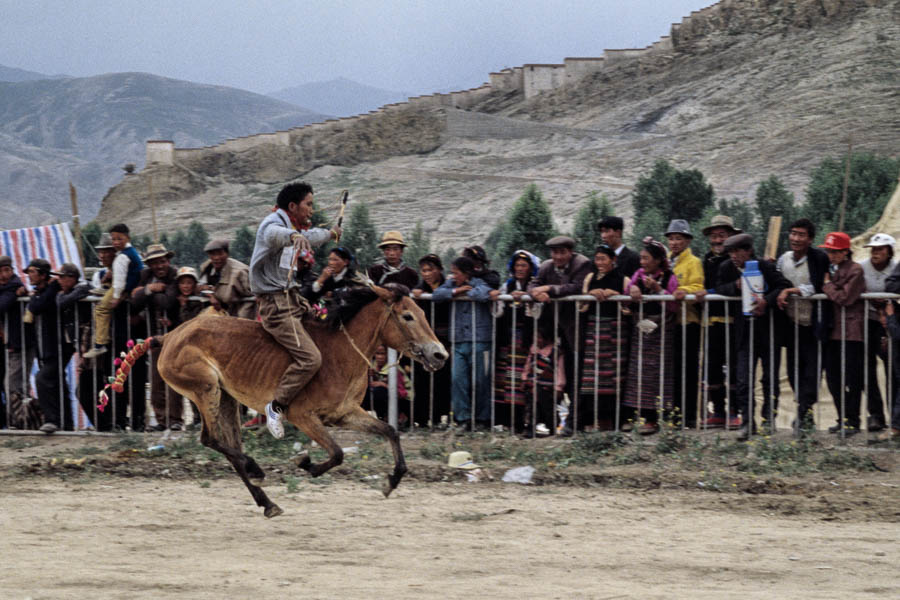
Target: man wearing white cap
<point>876,269</point>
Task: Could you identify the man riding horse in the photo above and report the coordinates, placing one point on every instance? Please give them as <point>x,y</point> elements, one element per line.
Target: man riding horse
<point>280,238</point>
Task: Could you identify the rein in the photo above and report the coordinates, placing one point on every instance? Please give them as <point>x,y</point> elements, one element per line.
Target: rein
<point>369,361</point>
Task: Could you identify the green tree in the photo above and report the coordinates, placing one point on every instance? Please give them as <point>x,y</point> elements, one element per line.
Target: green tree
<point>492,242</point>
<point>419,245</point>
<point>90,233</point>
<point>585,231</point>
<point>242,247</point>
<point>529,225</point>
<point>360,236</point>
<point>773,199</point>
<point>449,255</point>
<point>652,223</point>
<point>673,193</point>
<point>872,181</point>
<point>140,242</point>
<point>195,240</point>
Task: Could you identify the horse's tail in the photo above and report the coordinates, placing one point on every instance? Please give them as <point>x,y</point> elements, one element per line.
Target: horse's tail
<point>136,349</point>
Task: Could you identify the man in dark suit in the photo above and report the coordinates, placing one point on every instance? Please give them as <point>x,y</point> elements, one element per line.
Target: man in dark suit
<point>754,326</point>
<point>805,267</point>
<point>563,275</point>
<point>628,261</point>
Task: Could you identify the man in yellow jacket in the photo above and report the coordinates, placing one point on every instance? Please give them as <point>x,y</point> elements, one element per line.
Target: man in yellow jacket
<point>688,270</point>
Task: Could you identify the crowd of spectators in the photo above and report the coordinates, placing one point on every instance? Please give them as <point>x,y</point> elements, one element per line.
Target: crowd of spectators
<point>518,355</point>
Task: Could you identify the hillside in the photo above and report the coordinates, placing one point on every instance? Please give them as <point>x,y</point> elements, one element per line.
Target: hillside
<point>86,129</point>
<point>341,97</point>
<point>13,74</point>
<point>741,91</point>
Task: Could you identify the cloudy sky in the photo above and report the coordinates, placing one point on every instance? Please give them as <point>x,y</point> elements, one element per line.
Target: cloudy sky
<point>265,45</point>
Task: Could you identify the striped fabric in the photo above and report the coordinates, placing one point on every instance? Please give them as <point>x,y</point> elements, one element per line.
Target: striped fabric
<point>54,243</point>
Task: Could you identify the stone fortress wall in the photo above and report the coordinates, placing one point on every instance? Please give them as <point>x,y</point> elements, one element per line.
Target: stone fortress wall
<point>529,80</point>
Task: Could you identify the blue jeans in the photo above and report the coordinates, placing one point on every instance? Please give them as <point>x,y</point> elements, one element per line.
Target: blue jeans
<point>462,383</point>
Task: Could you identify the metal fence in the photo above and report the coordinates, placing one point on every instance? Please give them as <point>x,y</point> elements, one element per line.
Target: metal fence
<point>597,399</point>
<point>567,407</point>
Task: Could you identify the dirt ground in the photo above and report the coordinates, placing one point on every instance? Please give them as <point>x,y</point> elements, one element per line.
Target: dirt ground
<point>616,532</point>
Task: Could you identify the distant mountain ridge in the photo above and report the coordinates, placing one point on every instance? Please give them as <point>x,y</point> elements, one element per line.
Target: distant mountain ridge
<point>13,75</point>
<point>85,129</point>
<point>340,97</point>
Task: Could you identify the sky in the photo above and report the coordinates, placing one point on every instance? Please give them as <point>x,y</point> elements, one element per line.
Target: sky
<point>265,45</point>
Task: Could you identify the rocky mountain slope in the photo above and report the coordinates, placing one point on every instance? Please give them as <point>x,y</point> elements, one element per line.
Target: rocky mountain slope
<point>14,74</point>
<point>762,87</point>
<point>85,129</point>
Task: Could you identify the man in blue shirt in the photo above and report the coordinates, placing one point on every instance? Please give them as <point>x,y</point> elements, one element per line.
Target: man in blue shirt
<point>471,337</point>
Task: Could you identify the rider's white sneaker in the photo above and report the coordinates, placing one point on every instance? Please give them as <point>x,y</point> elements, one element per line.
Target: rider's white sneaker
<point>273,421</point>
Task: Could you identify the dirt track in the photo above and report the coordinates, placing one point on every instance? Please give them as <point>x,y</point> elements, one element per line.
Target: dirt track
<point>83,536</point>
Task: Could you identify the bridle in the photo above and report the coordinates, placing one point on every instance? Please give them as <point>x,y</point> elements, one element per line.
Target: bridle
<point>405,350</point>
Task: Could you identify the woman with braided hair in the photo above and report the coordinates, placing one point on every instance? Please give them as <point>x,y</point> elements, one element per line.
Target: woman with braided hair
<point>649,388</point>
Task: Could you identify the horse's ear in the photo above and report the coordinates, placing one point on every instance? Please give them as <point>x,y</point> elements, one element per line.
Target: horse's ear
<point>384,294</point>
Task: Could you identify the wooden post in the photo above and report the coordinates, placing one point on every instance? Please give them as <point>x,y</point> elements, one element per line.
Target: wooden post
<point>152,206</point>
<point>772,237</point>
<point>846,181</point>
<point>76,220</point>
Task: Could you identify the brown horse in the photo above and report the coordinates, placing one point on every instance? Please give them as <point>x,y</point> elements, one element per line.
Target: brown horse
<point>220,361</point>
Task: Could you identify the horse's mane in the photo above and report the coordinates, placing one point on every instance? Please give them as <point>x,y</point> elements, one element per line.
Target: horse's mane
<point>347,304</point>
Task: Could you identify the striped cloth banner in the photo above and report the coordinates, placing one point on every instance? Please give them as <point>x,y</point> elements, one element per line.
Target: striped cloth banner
<point>56,244</point>
<point>52,242</point>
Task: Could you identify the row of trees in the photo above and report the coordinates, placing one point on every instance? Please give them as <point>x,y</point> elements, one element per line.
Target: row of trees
<point>662,194</point>
<point>666,193</point>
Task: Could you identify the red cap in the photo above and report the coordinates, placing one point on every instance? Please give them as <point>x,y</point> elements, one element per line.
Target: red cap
<point>836,240</point>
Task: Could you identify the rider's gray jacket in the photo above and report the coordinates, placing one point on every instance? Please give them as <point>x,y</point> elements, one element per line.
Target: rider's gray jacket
<point>272,252</point>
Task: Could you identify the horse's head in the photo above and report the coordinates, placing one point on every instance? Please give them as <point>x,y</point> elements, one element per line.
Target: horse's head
<point>408,330</point>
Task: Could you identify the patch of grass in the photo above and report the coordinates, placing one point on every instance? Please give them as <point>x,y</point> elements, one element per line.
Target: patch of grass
<point>205,484</point>
<point>432,451</point>
<point>263,446</point>
<point>838,460</point>
<point>17,444</point>
<point>292,484</point>
<point>129,441</point>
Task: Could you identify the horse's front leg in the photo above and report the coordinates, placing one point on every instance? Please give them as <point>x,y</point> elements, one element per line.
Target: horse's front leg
<point>360,420</point>
<point>312,426</point>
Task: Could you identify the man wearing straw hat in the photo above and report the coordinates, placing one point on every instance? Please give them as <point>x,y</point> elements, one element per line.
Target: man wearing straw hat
<point>391,268</point>
<point>157,293</point>
<point>281,306</point>
<point>720,357</point>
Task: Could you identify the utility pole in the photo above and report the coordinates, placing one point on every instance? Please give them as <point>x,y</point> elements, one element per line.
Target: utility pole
<point>152,206</point>
<point>846,181</point>
<point>76,221</point>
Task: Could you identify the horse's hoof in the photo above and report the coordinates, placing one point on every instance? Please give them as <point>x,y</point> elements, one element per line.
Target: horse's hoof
<point>302,460</point>
<point>273,511</point>
<point>387,489</point>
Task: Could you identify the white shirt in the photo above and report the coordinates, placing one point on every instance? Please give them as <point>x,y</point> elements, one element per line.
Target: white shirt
<point>120,272</point>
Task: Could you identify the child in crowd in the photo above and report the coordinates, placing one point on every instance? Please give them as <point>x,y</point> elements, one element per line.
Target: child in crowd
<point>126,271</point>
<point>377,394</point>
<point>549,377</point>
<point>189,306</point>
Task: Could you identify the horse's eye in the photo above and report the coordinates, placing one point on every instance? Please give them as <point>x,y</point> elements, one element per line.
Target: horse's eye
<point>408,317</point>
